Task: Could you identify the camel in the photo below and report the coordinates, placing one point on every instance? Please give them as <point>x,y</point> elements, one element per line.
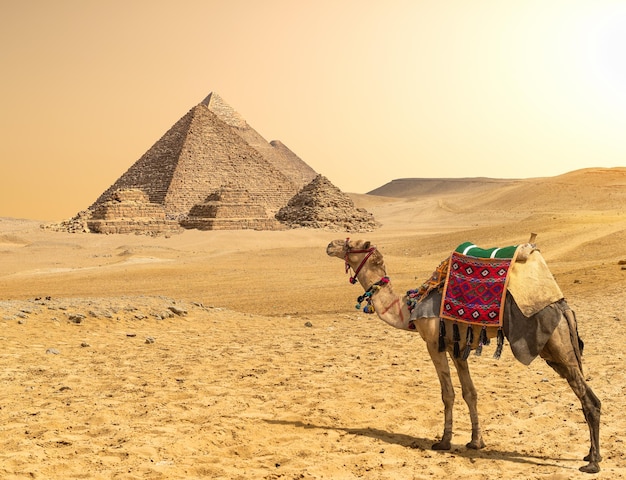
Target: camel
<point>562,349</point>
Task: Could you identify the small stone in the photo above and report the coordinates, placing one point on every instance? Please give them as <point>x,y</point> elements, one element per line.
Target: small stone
<point>178,311</point>
<point>150,340</point>
<point>85,345</point>
<point>308,324</point>
<point>76,318</point>
<point>53,351</point>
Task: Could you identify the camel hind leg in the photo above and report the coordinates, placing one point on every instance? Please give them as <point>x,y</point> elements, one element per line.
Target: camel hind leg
<point>562,354</point>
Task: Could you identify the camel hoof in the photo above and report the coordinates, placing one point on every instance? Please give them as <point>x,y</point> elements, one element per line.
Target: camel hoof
<point>592,467</point>
<point>476,445</point>
<point>590,457</point>
<point>442,446</point>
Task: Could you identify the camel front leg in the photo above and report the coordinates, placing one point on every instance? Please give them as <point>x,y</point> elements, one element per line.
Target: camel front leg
<point>440,360</point>
<point>471,398</point>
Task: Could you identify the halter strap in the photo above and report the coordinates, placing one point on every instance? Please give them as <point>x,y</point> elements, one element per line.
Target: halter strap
<point>368,253</point>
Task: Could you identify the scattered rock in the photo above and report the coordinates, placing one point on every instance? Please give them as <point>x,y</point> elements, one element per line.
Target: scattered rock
<point>77,224</point>
<point>53,351</point>
<point>149,339</point>
<point>178,311</point>
<point>85,345</point>
<point>76,318</point>
<point>308,324</point>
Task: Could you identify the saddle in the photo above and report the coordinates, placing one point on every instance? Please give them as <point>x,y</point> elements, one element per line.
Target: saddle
<point>526,278</point>
<point>530,281</point>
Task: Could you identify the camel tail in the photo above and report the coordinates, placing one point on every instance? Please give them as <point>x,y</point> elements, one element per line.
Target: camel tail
<point>577,344</point>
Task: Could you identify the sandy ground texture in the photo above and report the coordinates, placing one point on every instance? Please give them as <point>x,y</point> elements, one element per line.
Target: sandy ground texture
<point>240,355</point>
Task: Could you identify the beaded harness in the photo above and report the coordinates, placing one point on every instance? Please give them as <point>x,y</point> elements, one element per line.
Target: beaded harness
<point>367,296</point>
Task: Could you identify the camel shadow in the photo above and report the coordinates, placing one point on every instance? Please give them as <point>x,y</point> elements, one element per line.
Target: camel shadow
<point>425,444</point>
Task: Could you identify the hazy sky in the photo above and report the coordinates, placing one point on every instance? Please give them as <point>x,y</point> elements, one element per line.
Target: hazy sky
<point>363,91</point>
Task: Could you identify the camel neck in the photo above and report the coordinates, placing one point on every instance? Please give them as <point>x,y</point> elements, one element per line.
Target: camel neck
<point>389,307</point>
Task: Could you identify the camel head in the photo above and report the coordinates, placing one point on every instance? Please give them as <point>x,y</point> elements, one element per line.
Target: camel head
<point>358,255</point>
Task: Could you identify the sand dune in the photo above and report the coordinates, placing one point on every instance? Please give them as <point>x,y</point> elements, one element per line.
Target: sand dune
<point>268,371</point>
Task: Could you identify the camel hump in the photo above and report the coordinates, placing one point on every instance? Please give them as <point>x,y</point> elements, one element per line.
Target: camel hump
<point>531,283</point>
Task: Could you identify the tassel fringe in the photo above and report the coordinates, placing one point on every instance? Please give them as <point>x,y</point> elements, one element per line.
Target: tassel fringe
<point>456,337</point>
<point>498,352</point>
<point>483,339</point>
<point>442,335</point>
<point>469,339</point>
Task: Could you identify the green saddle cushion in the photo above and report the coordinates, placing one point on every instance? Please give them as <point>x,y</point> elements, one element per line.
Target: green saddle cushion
<point>471,250</point>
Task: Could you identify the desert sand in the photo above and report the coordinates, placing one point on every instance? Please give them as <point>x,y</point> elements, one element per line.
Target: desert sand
<point>240,354</point>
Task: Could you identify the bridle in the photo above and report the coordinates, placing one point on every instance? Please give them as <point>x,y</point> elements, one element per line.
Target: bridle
<point>367,251</point>
<point>374,288</point>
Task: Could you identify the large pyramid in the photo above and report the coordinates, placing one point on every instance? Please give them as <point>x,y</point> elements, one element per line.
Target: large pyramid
<point>209,149</point>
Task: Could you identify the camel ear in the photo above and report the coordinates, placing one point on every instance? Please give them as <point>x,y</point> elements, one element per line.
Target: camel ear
<point>366,245</point>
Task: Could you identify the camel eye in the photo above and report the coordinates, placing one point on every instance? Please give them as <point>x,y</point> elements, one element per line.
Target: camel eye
<point>366,245</point>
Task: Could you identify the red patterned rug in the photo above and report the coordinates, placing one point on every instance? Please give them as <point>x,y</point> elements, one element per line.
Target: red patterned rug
<point>475,289</point>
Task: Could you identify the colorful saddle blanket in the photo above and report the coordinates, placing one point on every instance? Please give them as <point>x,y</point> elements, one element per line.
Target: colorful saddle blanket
<point>475,285</point>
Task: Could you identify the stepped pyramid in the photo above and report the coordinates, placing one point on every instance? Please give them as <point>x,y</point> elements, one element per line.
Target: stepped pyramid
<point>322,205</point>
<point>229,209</point>
<point>210,147</point>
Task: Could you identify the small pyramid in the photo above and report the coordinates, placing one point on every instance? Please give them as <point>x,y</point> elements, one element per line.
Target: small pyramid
<point>130,211</point>
<point>322,205</point>
<point>229,208</point>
